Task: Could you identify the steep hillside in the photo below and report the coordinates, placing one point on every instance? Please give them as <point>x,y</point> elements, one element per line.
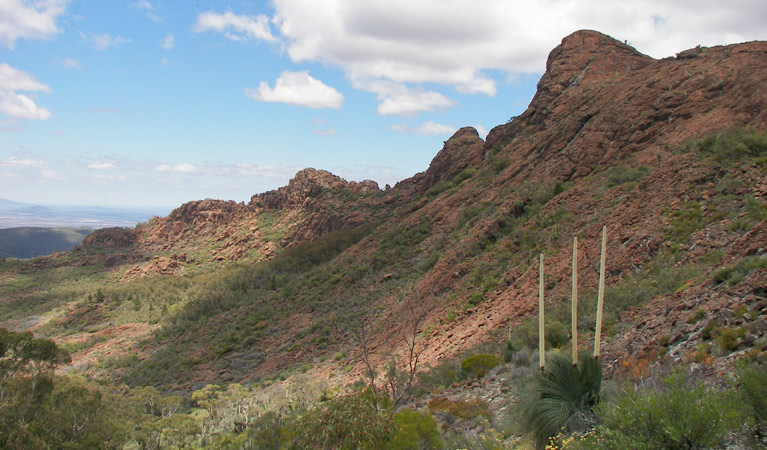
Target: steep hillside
<point>668,154</point>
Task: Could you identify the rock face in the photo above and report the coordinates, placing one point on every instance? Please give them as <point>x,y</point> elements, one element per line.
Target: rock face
<point>599,101</point>
<point>464,150</point>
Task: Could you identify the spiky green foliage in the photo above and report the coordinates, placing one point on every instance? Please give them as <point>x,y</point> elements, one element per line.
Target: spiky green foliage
<point>563,397</point>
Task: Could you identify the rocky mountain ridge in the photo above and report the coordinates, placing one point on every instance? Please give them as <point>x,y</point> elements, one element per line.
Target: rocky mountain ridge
<point>612,138</point>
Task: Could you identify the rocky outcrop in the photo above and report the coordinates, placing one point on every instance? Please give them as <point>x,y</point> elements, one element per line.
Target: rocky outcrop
<point>306,185</point>
<point>600,100</point>
<point>464,150</point>
<point>111,238</point>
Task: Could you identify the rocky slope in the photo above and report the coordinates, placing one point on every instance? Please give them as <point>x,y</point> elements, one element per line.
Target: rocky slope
<point>606,141</point>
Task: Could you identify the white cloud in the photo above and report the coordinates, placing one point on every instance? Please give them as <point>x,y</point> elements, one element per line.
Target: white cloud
<point>428,128</point>
<point>457,44</point>
<point>433,128</point>
<point>13,79</point>
<point>298,88</point>
<point>164,61</point>
<point>409,102</point>
<point>169,42</point>
<point>328,132</point>
<point>398,99</point>
<point>70,63</point>
<point>147,8</point>
<point>235,27</point>
<point>101,166</point>
<point>24,19</point>
<point>26,162</point>
<point>19,105</point>
<point>178,168</point>
<point>104,41</point>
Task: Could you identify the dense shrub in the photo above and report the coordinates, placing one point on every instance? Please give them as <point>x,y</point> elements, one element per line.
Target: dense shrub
<point>735,273</point>
<point>731,145</point>
<point>345,422</point>
<point>677,414</point>
<point>441,376</point>
<point>752,392</point>
<point>415,431</point>
<point>621,174</point>
<point>478,365</point>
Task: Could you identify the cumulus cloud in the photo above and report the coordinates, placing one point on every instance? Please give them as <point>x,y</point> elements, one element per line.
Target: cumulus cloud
<point>169,42</point>
<point>469,48</point>
<point>298,88</point>
<point>235,27</point>
<point>19,105</point>
<point>23,19</point>
<point>328,132</point>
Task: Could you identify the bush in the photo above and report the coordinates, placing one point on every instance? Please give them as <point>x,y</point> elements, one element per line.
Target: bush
<point>346,422</point>
<point>478,365</point>
<point>441,376</point>
<point>735,273</point>
<point>621,174</point>
<point>752,392</point>
<point>732,145</point>
<point>415,431</point>
<point>562,397</point>
<point>557,334</point>
<point>677,414</point>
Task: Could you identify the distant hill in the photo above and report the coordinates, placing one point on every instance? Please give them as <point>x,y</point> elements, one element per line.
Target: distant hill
<point>29,242</point>
<point>15,214</point>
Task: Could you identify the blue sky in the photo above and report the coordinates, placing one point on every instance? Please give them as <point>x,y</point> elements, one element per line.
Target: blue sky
<point>154,103</point>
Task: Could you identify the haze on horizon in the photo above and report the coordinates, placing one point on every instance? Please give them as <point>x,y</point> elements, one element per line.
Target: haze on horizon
<point>147,103</point>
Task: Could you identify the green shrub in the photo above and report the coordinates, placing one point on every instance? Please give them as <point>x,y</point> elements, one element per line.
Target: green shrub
<point>752,392</point>
<point>735,273</point>
<point>731,145</point>
<point>415,431</point>
<point>346,422</point>
<point>621,174</point>
<point>730,338</point>
<point>697,316</point>
<point>441,376</point>
<point>562,397</point>
<point>678,414</point>
<point>478,365</point>
<point>557,334</point>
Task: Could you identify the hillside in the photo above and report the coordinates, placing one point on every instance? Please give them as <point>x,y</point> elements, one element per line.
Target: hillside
<point>29,242</point>
<point>668,154</point>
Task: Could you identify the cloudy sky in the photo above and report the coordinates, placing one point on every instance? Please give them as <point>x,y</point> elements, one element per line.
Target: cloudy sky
<point>158,102</point>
